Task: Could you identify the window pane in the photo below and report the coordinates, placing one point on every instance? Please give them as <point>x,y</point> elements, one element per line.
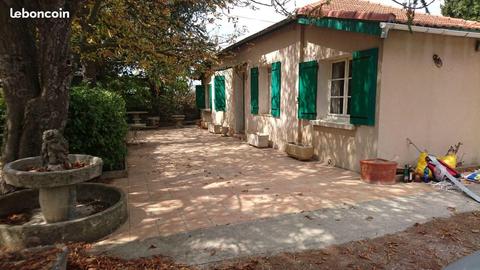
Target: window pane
<point>338,70</point>
<point>337,88</point>
<point>336,105</point>
<point>348,108</point>
<point>350,68</point>
<point>349,93</point>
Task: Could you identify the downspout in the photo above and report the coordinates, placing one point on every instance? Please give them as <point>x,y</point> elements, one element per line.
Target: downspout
<point>301,59</point>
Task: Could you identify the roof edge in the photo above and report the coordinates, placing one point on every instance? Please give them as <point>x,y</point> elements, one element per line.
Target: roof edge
<point>386,26</point>
<point>294,18</point>
<point>261,33</point>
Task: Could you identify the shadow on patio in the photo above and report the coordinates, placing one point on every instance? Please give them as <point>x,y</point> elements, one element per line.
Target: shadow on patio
<point>186,179</point>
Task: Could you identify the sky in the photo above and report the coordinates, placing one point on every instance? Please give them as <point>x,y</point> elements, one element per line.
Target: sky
<point>256,20</point>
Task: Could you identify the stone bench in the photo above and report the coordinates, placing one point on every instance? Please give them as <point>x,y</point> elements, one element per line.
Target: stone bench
<point>153,121</point>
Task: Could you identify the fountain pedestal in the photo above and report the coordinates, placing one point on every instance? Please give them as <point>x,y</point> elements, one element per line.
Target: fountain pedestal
<point>58,203</point>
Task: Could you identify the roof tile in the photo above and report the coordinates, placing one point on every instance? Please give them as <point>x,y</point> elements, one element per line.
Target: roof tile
<point>364,10</point>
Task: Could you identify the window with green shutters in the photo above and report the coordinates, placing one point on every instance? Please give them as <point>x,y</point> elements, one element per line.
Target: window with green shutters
<point>210,96</point>
<point>219,85</point>
<point>200,96</point>
<point>364,87</point>
<point>307,90</point>
<point>254,90</point>
<point>276,81</point>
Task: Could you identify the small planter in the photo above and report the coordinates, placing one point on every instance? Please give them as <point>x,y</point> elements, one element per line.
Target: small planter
<point>378,171</point>
<point>258,140</point>
<point>215,129</point>
<point>178,118</point>
<point>204,124</point>
<point>225,131</point>
<point>116,174</point>
<point>300,152</point>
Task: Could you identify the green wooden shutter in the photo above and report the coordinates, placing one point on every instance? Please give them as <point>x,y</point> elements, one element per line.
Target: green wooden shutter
<point>276,88</point>
<point>254,90</point>
<point>210,97</point>
<point>364,87</point>
<point>219,84</point>
<point>200,96</point>
<point>307,90</point>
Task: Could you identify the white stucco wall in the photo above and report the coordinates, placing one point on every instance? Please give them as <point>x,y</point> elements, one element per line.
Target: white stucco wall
<point>435,107</point>
<point>345,148</point>
<point>281,45</point>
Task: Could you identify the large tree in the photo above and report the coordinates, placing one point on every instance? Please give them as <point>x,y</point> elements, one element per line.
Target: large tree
<point>464,9</point>
<point>35,69</point>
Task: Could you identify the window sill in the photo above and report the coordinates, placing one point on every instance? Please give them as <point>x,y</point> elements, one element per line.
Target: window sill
<point>206,110</point>
<point>264,114</point>
<point>332,124</point>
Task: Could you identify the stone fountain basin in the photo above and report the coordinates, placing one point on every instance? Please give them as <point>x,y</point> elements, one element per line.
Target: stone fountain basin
<point>17,174</point>
<point>88,229</point>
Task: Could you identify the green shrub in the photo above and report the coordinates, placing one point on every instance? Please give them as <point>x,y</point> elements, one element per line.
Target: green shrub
<point>134,91</point>
<point>97,126</point>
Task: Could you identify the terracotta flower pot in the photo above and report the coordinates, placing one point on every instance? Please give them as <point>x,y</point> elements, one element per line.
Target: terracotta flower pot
<point>378,171</point>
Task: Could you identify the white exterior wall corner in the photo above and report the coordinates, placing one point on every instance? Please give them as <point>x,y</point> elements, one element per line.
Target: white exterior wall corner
<point>435,107</point>
<point>224,118</point>
<point>280,45</point>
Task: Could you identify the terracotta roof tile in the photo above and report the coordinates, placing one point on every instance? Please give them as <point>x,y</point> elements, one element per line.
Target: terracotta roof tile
<point>364,10</point>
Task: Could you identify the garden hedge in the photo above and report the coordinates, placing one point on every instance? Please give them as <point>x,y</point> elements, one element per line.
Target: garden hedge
<point>97,125</point>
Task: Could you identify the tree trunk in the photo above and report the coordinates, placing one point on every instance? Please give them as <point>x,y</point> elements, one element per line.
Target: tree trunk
<point>35,68</point>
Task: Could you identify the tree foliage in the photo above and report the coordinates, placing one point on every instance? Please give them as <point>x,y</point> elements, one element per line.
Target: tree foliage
<point>133,89</point>
<point>465,9</point>
<point>162,38</point>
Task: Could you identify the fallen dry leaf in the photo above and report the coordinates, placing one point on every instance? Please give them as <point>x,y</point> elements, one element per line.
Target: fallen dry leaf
<point>452,209</point>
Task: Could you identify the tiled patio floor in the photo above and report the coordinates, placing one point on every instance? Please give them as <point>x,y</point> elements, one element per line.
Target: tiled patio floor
<point>185,179</point>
